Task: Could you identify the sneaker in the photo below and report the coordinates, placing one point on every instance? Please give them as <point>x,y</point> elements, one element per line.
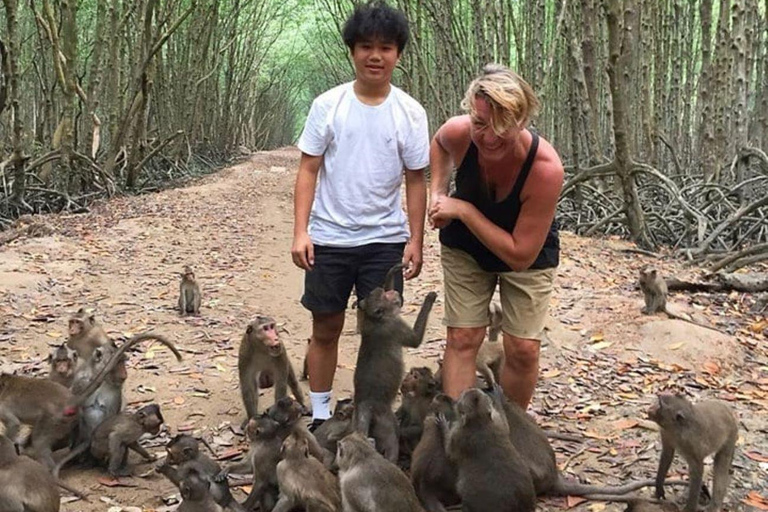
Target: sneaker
<point>315,423</point>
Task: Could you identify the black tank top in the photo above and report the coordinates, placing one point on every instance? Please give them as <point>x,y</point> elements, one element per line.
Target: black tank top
<point>504,213</point>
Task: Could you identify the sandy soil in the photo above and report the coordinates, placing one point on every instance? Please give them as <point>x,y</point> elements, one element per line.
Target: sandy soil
<point>601,365</point>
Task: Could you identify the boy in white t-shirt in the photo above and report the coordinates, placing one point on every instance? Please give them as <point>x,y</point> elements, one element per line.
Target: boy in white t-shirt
<point>360,138</point>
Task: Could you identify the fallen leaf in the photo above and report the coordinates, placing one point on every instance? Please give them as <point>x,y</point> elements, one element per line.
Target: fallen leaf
<point>625,424</point>
<point>551,374</point>
<point>572,501</point>
<point>53,334</point>
<point>711,367</point>
<point>759,457</point>
<point>179,400</point>
<point>115,482</point>
<point>676,346</point>
<point>596,337</point>
<point>756,500</point>
<point>601,345</point>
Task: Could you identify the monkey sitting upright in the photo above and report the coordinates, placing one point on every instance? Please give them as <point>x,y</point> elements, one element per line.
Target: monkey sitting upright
<point>379,370</point>
<point>304,481</point>
<point>189,293</point>
<point>655,292</point>
<point>25,485</point>
<point>418,389</point>
<point>696,431</point>
<point>85,334</point>
<point>262,351</point>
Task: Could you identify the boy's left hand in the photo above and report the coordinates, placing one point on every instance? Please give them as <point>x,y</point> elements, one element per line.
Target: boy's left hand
<point>412,260</point>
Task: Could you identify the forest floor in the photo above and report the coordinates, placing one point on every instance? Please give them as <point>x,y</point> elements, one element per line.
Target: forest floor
<point>601,366</point>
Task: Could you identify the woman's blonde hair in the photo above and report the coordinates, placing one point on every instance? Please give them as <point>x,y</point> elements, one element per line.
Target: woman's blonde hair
<point>511,100</point>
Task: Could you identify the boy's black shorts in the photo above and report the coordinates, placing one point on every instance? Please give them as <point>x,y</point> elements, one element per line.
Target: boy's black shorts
<point>328,285</point>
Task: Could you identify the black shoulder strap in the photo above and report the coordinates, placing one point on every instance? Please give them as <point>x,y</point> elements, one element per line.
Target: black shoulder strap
<point>526,165</point>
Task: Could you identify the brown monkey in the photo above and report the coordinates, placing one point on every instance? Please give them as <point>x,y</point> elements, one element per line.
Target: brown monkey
<point>287,413</point>
<point>337,426</point>
<point>114,436</point>
<point>51,408</point>
<point>261,350</point>
<point>379,370</point>
<point>25,485</point>
<point>189,293</point>
<point>491,354</point>
<point>196,494</point>
<point>532,444</point>
<point>655,292</point>
<point>371,482</point>
<point>63,361</point>
<point>85,334</point>
<point>266,438</point>
<point>304,481</point>
<point>183,451</point>
<point>434,476</point>
<point>418,389</point>
<point>491,472</point>
<point>696,431</point>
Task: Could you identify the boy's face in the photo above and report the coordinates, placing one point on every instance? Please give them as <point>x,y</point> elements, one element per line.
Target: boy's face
<point>375,60</point>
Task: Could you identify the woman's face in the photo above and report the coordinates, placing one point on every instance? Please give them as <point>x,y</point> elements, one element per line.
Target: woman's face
<point>490,145</point>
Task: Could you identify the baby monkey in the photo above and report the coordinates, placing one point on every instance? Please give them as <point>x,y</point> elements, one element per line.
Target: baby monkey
<point>189,293</point>
<point>304,481</point>
<point>696,431</point>
<point>114,436</point>
<point>63,361</point>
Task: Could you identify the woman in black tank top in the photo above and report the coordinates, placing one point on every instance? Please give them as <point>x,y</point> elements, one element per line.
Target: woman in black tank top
<point>497,228</point>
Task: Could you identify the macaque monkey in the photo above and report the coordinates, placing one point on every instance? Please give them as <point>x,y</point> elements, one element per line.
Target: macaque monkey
<point>304,481</point>
<point>491,473</point>
<point>262,351</point>
<point>287,412</point>
<point>183,451</point>
<point>490,357</point>
<point>189,293</point>
<point>25,485</point>
<point>434,476</point>
<point>371,482</point>
<point>337,426</point>
<point>196,494</point>
<point>379,370</point>
<point>112,438</point>
<point>85,334</point>
<point>418,389</point>
<point>655,292</point>
<point>63,362</point>
<point>696,431</point>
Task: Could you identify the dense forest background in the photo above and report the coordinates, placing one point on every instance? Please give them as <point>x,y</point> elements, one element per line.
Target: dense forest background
<point>659,108</point>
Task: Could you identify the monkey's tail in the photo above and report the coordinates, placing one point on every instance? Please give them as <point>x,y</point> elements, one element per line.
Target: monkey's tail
<point>571,488</point>
<point>628,498</point>
<point>389,280</point>
<point>99,378</point>
<point>690,320</point>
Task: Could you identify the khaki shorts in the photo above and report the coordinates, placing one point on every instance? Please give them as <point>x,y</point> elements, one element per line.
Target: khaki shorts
<point>469,290</point>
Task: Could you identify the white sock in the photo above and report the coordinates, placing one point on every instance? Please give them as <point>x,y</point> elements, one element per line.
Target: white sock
<point>321,404</point>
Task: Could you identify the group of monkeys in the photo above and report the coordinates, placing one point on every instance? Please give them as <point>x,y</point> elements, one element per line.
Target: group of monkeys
<point>479,453</point>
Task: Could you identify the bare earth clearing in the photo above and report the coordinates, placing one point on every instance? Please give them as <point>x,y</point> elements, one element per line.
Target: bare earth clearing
<point>601,367</point>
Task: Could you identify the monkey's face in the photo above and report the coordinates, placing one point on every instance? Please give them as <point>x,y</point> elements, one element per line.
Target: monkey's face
<point>264,330</point>
<point>381,303</point>
<point>262,427</point>
<point>75,326</point>
<point>670,410</point>
<point>181,448</point>
<point>418,381</point>
<point>344,410</point>
<point>150,418</point>
<point>285,411</point>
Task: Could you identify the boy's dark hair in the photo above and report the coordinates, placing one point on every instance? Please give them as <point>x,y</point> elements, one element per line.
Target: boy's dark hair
<point>376,20</point>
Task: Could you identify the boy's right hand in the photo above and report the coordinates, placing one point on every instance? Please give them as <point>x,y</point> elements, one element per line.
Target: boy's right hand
<point>303,251</point>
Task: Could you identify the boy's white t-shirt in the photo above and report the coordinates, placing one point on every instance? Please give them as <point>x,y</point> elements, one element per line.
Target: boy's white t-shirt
<point>365,149</point>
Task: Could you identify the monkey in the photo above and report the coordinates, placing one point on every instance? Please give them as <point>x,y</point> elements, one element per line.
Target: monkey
<point>491,354</point>
<point>532,444</point>
<point>491,472</point>
<point>418,389</point>
<point>183,451</point>
<point>25,485</point>
<point>379,370</point>
<point>266,438</point>
<point>63,361</point>
<point>655,292</point>
<point>85,334</point>
<point>189,293</point>
<point>305,365</point>
<point>304,481</point>
<point>115,435</point>
<point>261,350</point>
<point>287,413</point>
<point>53,409</point>
<point>107,401</point>
<point>696,431</point>
<point>337,426</point>
<point>196,494</point>
<point>369,481</point>
<point>434,476</point>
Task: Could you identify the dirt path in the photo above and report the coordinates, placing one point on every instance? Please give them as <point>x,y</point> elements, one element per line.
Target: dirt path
<point>602,365</point>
